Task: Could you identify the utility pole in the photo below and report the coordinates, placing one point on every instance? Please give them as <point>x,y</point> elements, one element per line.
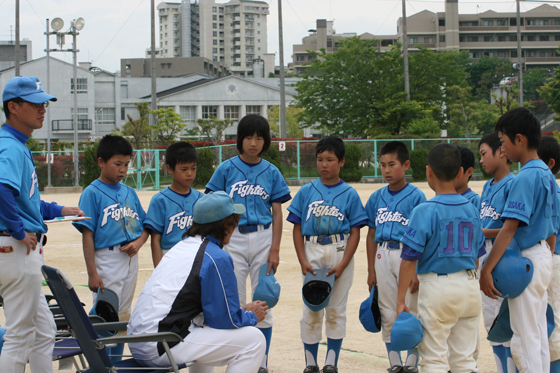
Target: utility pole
<point>75,118</point>
<point>153,105</point>
<point>16,52</point>
<point>405,52</point>
<point>49,177</point>
<point>283,131</point>
<point>519,61</point>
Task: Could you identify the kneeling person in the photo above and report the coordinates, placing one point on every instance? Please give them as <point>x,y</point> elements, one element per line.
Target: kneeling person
<point>193,292</point>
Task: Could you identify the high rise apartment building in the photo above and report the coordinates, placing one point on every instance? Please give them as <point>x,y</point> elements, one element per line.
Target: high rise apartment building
<point>486,34</point>
<point>233,32</point>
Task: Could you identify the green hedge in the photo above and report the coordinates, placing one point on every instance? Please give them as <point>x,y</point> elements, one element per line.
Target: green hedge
<point>205,167</point>
<point>352,172</point>
<point>418,161</point>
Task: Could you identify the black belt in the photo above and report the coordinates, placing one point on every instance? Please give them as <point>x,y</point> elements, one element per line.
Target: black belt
<point>251,228</point>
<point>38,235</point>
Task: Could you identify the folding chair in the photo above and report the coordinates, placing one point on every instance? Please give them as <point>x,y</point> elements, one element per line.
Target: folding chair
<point>92,345</point>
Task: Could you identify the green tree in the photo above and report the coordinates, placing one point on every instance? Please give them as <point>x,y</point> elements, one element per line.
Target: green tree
<point>485,72</point>
<point>139,129</point>
<point>533,80</point>
<point>508,102</point>
<point>293,114</point>
<point>168,125</point>
<point>214,128</point>
<point>550,92</point>
<point>426,127</point>
<point>468,118</point>
<point>34,145</point>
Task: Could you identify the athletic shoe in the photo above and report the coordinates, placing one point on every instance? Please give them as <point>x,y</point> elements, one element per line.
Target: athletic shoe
<point>408,369</point>
<point>311,369</point>
<point>396,369</point>
<point>329,369</point>
<point>263,370</point>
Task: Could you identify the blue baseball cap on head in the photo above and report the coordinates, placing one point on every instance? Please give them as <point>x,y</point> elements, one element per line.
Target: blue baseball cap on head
<point>406,332</point>
<point>268,288</point>
<point>370,316</point>
<point>215,206</point>
<point>28,88</point>
<point>317,289</point>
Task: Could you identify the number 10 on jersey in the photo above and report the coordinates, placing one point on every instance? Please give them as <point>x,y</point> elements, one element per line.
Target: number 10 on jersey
<point>457,237</point>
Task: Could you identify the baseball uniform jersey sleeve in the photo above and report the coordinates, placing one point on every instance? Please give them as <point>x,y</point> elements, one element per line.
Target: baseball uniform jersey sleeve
<point>388,213</point>
<point>447,231</point>
<point>531,200</point>
<point>116,213</point>
<point>473,197</point>
<point>256,186</point>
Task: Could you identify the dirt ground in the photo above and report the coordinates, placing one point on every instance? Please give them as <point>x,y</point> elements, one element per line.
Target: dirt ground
<point>362,351</point>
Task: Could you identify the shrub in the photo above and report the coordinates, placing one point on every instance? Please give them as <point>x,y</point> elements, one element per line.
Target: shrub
<point>205,167</point>
<point>418,160</point>
<point>351,172</point>
<point>273,156</point>
<point>91,167</point>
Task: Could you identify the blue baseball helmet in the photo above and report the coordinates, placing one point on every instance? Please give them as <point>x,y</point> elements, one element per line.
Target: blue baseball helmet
<point>513,272</point>
<point>2,334</point>
<point>406,332</point>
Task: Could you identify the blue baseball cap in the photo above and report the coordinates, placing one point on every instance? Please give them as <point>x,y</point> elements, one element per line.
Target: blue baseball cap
<point>317,289</point>
<point>500,331</point>
<point>370,316</point>
<point>106,305</point>
<point>268,288</point>
<point>406,333</point>
<point>28,88</point>
<point>215,206</point>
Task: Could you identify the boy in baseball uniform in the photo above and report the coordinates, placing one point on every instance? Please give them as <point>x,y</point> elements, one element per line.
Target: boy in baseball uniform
<point>327,215</point>
<point>388,211</point>
<point>549,152</point>
<point>531,218</point>
<point>171,211</point>
<point>493,202</point>
<point>462,182</point>
<point>442,243</point>
<point>115,233</point>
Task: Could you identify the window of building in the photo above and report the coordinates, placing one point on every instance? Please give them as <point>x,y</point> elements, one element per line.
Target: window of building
<point>165,27</point>
<point>329,43</point>
<point>312,57</point>
<point>461,39</point>
<point>557,22</point>
<point>214,50</point>
<point>501,22</point>
<point>163,66</point>
<point>442,38</point>
<point>472,38</point>
<point>531,22</point>
<point>253,109</point>
<point>442,21</point>
<point>501,54</point>
<point>214,25</point>
<point>543,22</point>
<point>501,38</point>
<point>468,23</point>
<point>214,17</point>
<point>488,23</point>
<point>513,54</point>
<point>231,112</point>
<point>209,111</point>
<point>513,38</point>
<point>122,114</point>
<point>544,53</point>
<point>489,38</point>
<point>166,42</point>
<point>531,38</point>
<point>489,54</point>
<point>105,116</point>
<point>544,38</point>
<point>428,39</point>
<point>513,21</point>
<point>300,58</point>
<point>215,42</point>
<point>531,53</point>
<point>166,34</point>
<point>557,38</point>
<point>472,54</point>
<point>214,9</point>
<point>82,86</point>
<point>188,114</point>
<point>82,115</point>
<point>215,34</point>
<point>124,90</point>
<point>413,40</point>
<point>169,65</point>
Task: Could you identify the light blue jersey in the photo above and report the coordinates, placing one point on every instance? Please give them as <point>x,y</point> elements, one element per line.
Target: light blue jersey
<point>18,171</point>
<point>532,200</point>
<point>171,214</point>
<point>388,213</point>
<point>473,197</point>
<point>117,216</point>
<point>493,202</point>
<point>327,209</point>
<point>447,232</point>
<point>255,186</point>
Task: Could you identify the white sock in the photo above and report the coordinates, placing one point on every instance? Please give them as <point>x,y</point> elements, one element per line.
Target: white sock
<point>331,358</point>
<point>310,360</point>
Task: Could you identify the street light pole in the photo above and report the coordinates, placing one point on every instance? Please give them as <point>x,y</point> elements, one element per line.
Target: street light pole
<point>519,52</point>
<point>16,54</point>
<point>49,184</point>
<point>75,119</point>
<point>283,129</point>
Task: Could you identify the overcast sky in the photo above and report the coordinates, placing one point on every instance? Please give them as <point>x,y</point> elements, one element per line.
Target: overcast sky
<point>121,29</point>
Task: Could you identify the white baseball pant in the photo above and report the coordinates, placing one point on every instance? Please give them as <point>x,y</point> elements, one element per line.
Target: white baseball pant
<point>554,301</point>
<point>387,266</point>
<point>249,252</point>
<point>527,312</point>
<point>311,324</point>
<point>119,273</point>
<point>449,310</point>
<point>242,350</point>
<point>30,327</point>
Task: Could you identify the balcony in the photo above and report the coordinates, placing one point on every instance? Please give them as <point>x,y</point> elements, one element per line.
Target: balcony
<point>67,125</point>
<point>249,18</point>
